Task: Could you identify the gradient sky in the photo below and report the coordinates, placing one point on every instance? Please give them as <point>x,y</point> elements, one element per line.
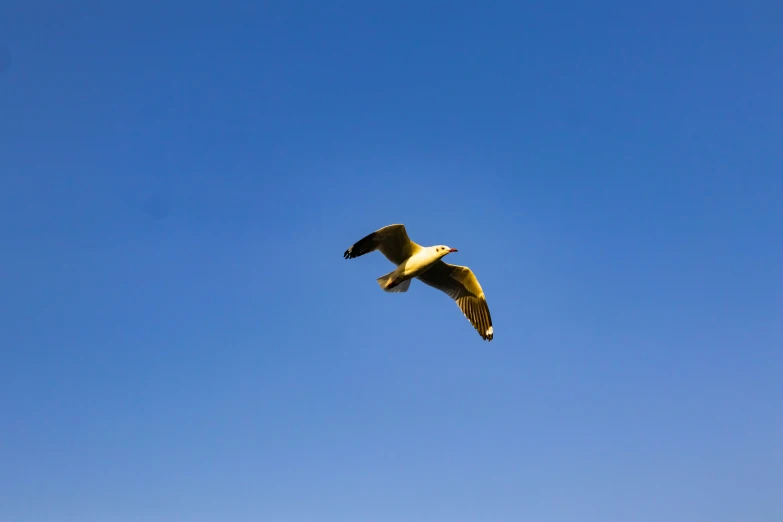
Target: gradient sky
<point>182,340</point>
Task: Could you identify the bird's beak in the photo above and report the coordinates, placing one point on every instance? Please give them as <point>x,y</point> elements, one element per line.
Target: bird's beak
<point>452,250</point>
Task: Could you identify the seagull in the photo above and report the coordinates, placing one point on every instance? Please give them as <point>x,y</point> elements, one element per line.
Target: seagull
<point>426,264</point>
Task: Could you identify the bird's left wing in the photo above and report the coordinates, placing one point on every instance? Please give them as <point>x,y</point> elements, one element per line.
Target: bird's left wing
<point>391,240</point>
<point>459,283</point>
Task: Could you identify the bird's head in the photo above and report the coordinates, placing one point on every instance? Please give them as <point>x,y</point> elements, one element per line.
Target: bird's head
<point>443,250</point>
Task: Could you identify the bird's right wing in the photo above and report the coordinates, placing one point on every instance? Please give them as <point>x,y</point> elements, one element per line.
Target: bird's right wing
<point>459,283</point>
<point>392,241</point>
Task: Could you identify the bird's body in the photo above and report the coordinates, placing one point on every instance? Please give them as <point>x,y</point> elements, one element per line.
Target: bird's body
<point>412,267</point>
<point>425,264</point>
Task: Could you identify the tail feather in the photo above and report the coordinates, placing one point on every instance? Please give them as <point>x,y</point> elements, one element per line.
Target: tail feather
<point>385,280</point>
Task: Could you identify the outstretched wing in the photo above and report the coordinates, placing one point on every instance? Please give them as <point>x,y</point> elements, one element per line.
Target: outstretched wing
<point>392,241</point>
<point>459,283</point>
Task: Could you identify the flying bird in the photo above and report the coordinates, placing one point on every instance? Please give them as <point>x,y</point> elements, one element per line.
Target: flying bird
<point>426,264</point>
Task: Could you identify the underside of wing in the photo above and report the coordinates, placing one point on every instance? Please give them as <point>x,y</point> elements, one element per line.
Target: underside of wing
<point>392,241</point>
<point>459,283</point>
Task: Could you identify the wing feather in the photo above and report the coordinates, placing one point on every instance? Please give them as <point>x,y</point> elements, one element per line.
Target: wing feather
<point>460,283</point>
<point>391,240</point>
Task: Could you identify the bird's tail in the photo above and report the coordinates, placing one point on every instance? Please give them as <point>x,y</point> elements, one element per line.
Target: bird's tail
<point>385,282</point>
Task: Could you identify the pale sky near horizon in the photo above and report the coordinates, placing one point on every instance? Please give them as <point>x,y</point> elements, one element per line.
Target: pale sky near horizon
<point>182,340</point>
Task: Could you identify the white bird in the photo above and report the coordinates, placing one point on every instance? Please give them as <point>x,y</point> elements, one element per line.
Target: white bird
<point>426,265</point>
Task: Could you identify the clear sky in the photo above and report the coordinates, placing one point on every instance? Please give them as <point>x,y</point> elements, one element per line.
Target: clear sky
<point>182,340</point>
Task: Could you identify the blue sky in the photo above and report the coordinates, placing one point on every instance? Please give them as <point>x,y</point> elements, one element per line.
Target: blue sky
<point>181,338</point>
